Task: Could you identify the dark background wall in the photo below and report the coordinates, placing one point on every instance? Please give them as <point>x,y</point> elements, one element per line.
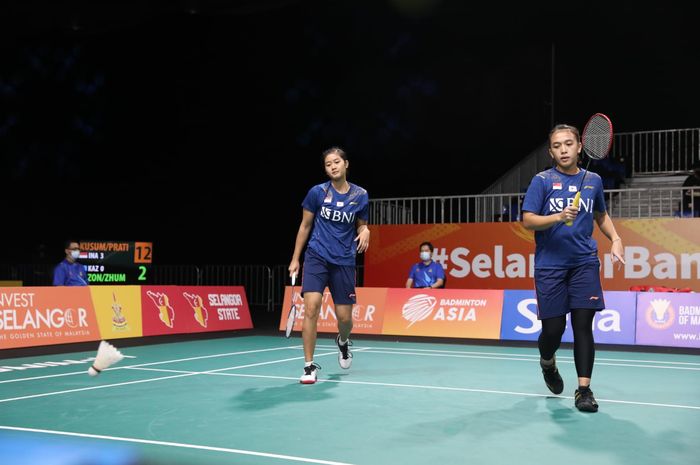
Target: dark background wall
<point>199,125</point>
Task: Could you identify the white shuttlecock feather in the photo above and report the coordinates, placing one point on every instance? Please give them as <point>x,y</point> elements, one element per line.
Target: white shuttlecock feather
<point>107,355</point>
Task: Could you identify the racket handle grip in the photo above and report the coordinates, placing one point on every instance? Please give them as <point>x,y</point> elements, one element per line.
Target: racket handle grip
<point>294,279</point>
<point>577,199</point>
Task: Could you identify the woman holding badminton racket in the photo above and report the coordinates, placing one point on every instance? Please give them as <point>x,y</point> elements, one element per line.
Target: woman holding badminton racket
<point>334,222</point>
<point>561,205</point>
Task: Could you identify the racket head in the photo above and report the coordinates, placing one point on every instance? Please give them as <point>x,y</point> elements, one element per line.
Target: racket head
<point>290,319</point>
<point>597,136</point>
<point>292,311</point>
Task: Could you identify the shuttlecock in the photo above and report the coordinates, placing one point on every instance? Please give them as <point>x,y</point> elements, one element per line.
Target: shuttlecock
<point>107,355</point>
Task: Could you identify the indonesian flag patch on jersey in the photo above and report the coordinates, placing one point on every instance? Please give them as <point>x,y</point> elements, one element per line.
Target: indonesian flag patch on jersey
<point>556,186</point>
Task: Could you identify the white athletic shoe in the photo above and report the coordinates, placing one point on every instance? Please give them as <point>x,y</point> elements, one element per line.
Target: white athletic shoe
<point>344,354</point>
<point>309,376</point>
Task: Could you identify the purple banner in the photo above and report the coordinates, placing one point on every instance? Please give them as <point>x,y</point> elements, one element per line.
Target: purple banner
<point>614,325</point>
<point>668,319</point>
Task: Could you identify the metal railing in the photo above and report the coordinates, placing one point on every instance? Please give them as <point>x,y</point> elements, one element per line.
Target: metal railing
<point>264,284</point>
<point>671,151</point>
<point>665,152</point>
<point>622,203</point>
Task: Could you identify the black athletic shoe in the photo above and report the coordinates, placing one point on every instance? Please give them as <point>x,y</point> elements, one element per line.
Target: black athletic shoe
<point>552,378</point>
<point>585,401</point>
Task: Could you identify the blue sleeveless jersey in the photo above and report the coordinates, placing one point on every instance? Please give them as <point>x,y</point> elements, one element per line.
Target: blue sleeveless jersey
<point>334,221</point>
<point>562,246</point>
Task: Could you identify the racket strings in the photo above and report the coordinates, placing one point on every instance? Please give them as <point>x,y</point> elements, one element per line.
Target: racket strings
<point>597,137</point>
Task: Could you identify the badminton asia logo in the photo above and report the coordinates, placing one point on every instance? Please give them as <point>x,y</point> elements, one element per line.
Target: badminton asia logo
<point>201,315</point>
<point>660,314</point>
<point>166,311</point>
<point>421,306</point>
<point>418,308</point>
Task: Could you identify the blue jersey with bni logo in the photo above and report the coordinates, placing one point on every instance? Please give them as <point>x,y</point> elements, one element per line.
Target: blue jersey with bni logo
<point>425,275</point>
<point>564,246</point>
<point>334,221</point>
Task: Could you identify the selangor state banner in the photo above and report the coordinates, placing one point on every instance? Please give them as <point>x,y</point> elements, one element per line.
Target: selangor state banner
<point>664,251</point>
<point>191,309</point>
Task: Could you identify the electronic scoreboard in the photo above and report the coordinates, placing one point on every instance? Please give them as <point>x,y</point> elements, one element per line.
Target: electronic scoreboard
<point>116,262</point>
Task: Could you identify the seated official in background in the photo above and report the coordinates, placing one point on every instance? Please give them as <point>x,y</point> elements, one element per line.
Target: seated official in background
<point>426,273</point>
<point>69,272</point>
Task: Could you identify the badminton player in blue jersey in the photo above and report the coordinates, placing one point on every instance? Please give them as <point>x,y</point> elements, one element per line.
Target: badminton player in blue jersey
<point>334,221</point>
<point>567,269</point>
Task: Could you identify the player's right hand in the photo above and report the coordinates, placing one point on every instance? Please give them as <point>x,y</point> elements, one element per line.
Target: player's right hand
<point>569,214</point>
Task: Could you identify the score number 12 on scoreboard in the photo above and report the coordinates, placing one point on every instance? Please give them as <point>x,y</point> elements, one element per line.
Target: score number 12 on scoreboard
<point>115,262</point>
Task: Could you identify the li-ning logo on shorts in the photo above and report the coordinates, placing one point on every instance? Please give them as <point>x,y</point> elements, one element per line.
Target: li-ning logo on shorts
<point>418,308</point>
<point>660,314</point>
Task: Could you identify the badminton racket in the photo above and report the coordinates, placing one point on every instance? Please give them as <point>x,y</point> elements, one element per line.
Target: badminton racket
<point>596,140</point>
<point>292,311</point>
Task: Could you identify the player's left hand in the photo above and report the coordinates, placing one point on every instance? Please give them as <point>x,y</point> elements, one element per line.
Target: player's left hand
<point>618,252</point>
<point>362,240</point>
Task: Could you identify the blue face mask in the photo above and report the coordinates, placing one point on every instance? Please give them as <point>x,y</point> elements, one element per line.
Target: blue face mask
<point>75,254</point>
<point>425,256</point>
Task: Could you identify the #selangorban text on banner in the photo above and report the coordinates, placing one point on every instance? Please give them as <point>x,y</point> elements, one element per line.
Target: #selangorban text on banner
<point>664,251</point>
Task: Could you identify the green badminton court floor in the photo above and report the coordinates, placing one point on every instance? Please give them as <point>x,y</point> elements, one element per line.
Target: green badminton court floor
<point>237,400</point>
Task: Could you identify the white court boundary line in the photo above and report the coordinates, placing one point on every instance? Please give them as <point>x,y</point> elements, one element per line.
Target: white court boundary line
<point>182,374</point>
<point>377,350</point>
<point>424,386</point>
<point>201,357</point>
<point>535,355</point>
<point>175,444</point>
<point>422,354</point>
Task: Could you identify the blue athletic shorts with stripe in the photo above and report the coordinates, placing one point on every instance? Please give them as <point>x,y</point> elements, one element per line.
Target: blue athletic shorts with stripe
<point>559,291</point>
<point>319,273</point>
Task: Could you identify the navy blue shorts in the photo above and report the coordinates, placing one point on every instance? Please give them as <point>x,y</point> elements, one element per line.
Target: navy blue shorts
<point>319,273</point>
<point>559,291</point>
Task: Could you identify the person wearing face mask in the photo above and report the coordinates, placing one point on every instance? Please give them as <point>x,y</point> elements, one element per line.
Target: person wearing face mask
<point>69,272</point>
<point>426,273</point>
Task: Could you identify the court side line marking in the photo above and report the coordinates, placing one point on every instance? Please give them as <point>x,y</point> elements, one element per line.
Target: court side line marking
<point>175,444</point>
<point>528,360</point>
<point>201,357</point>
<point>90,388</point>
<point>421,386</point>
<point>126,383</point>
<point>521,355</point>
